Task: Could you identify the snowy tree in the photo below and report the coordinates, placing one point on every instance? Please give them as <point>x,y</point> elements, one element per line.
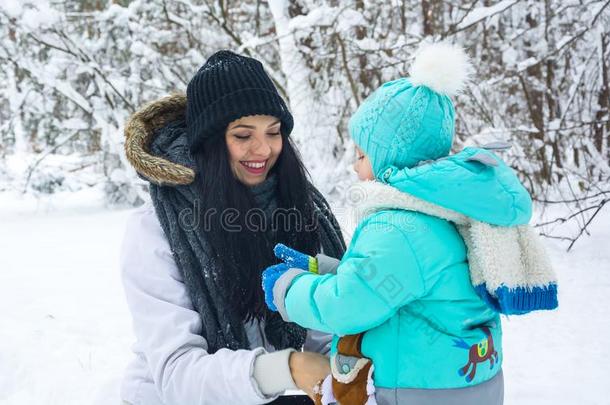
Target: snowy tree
<point>73,71</point>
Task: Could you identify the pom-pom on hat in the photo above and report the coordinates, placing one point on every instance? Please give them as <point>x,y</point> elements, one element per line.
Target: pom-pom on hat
<point>412,119</point>
<point>227,87</point>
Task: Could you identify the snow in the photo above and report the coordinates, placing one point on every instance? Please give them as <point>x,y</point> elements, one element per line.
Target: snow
<point>327,16</point>
<point>42,15</point>
<point>75,124</point>
<point>66,331</point>
<point>509,56</point>
<point>67,90</point>
<point>521,66</point>
<point>367,44</point>
<point>322,16</point>
<point>348,19</point>
<point>12,7</point>
<point>481,13</point>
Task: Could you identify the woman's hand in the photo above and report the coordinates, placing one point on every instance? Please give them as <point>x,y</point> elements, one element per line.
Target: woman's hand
<point>307,369</point>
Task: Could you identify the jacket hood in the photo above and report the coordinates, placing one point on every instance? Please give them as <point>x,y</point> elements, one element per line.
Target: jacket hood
<point>140,132</point>
<point>474,183</point>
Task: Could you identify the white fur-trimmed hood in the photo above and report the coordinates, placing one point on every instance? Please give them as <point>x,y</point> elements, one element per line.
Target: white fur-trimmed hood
<point>499,257</point>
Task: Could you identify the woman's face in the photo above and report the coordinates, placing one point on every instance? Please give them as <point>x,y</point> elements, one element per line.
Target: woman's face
<point>254,144</point>
<point>363,166</point>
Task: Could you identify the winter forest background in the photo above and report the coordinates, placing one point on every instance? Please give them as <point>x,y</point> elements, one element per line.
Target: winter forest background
<point>72,71</point>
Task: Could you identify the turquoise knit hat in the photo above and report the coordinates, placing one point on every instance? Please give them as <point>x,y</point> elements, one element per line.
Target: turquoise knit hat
<point>410,120</point>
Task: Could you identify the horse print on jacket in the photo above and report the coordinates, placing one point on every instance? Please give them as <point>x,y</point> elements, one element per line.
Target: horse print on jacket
<point>477,353</point>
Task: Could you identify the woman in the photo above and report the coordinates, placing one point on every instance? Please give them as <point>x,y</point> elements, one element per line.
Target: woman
<point>226,185</point>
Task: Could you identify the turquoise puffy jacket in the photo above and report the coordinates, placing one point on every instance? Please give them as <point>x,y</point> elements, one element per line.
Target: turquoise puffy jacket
<point>404,279</point>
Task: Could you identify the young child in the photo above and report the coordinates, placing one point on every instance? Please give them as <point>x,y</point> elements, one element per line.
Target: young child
<point>441,249</point>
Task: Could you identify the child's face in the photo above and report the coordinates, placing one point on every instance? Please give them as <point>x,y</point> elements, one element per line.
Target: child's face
<point>362,166</point>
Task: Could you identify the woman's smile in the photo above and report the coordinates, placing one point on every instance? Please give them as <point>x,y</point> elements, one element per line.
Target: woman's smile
<point>255,167</point>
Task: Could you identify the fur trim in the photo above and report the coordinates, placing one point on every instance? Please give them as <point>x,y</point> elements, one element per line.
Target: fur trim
<point>350,376</point>
<point>371,196</point>
<point>441,66</point>
<point>326,396</point>
<point>139,131</point>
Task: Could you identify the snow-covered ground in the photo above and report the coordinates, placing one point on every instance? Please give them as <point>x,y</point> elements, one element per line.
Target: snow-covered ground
<point>65,332</point>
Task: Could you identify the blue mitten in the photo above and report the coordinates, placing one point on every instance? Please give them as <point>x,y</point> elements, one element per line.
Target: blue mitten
<point>295,259</point>
<point>269,278</point>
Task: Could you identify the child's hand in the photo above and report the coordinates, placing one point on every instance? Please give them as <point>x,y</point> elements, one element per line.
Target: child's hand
<point>295,259</point>
<point>269,278</point>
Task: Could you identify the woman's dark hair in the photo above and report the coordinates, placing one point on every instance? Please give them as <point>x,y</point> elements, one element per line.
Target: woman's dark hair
<point>243,250</point>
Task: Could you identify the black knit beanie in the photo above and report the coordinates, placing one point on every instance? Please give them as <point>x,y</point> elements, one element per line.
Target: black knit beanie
<point>227,87</point>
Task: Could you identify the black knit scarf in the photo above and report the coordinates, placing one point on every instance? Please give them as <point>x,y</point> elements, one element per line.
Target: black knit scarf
<point>174,206</point>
